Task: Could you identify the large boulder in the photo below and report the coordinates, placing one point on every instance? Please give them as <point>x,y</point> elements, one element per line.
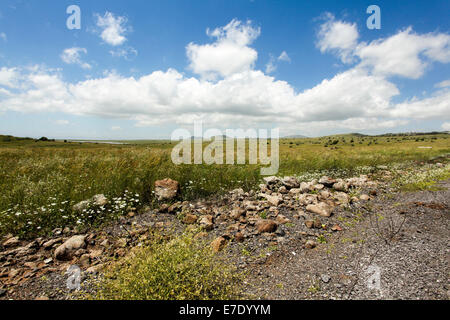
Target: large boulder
<point>322,209</point>
<point>316,187</point>
<point>218,244</point>
<point>80,206</point>
<point>274,200</point>
<point>340,185</point>
<point>356,182</point>
<point>290,182</point>
<point>11,242</point>
<point>266,226</point>
<point>190,218</point>
<point>327,181</point>
<point>166,189</point>
<point>66,250</point>
<point>341,197</point>
<point>324,194</point>
<point>364,197</point>
<point>237,212</point>
<point>98,200</point>
<point>281,219</point>
<point>295,191</point>
<point>238,191</point>
<point>306,199</point>
<point>271,180</point>
<point>304,187</point>
<point>310,244</point>
<point>206,222</point>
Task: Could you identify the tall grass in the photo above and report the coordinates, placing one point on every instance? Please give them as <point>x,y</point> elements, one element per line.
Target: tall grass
<point>39,187</point>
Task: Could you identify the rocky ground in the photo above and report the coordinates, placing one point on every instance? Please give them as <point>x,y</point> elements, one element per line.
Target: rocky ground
<point>409,248</point>
<point>322,239</point>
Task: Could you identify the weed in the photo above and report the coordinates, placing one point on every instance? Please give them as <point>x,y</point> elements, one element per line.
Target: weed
<point>178,269</point>
<point>321,239</point>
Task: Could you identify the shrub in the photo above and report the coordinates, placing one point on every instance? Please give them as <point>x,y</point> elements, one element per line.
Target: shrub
<point>177,269</point>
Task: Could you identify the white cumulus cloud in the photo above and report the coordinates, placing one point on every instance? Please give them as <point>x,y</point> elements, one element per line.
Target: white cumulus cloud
<point>9,77</point>
<point>338,36</point>
<point>271,65</point>
<point>229,92</point>
<point>443,84</point>
<point>405,54</point>
<point>127,53</point>
<point>73,56</point>
<point>243,98</point>
<point>434,107</point>
<point>113,28</point>
<point>284,57</point>
<point>229,54</point>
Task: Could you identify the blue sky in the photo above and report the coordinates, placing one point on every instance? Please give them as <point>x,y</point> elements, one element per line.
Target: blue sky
<point>141,69</point>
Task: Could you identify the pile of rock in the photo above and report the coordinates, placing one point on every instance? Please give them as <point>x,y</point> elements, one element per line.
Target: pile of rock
<point>21,261</point>
<point>242,215</point>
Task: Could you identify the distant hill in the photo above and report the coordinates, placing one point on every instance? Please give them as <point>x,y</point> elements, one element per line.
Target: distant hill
<point>411,134</point>
<point>8,138</point>
<point>357,134</point>
<point>295,136</point>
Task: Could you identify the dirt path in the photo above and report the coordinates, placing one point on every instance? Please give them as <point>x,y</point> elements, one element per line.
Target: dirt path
<point>414,264</point>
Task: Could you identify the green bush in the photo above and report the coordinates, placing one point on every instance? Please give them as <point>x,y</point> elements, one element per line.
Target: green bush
<point>178,269</point>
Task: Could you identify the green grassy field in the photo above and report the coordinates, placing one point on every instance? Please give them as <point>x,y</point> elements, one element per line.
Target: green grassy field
<point>40,181</point>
